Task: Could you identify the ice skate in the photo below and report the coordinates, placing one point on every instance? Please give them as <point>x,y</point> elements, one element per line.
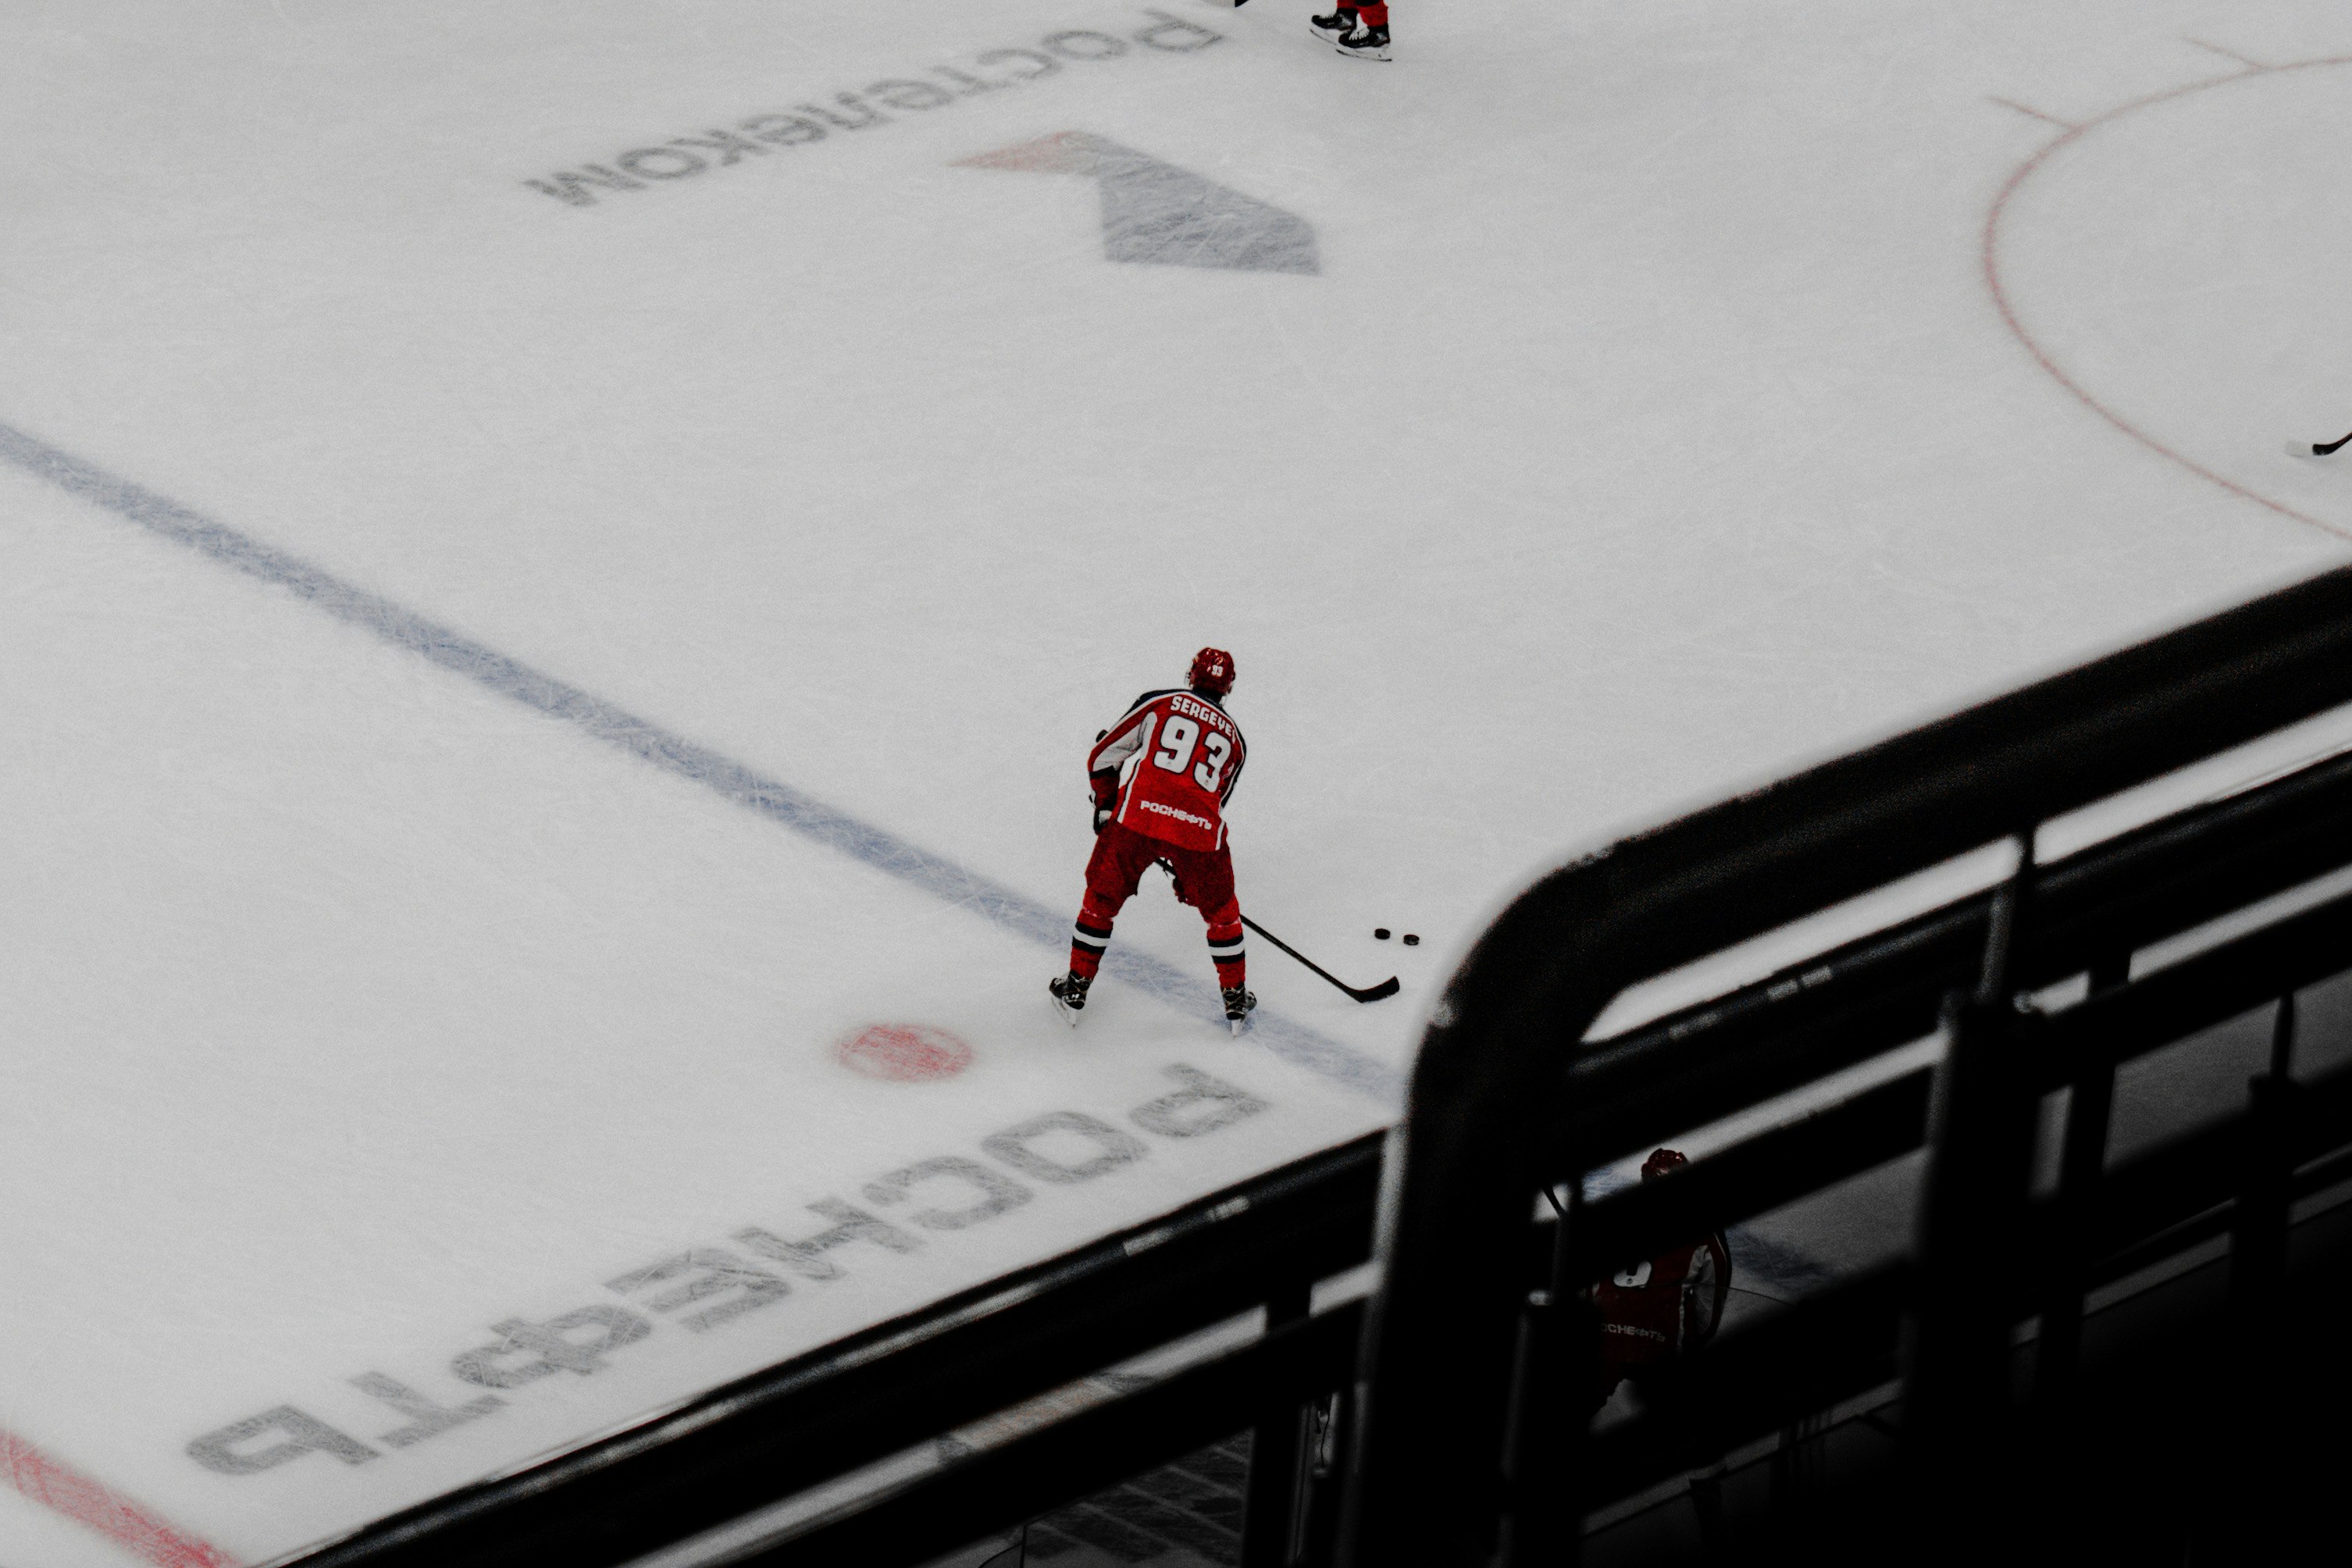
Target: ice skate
<point>1069,995</point>
<point>1336,26</point>
<point>1239,1000</point>
<point>1366,43</point>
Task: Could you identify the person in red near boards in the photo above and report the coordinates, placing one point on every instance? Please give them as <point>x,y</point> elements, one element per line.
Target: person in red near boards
<point>1162,778</point>
<point>1654,1311</point>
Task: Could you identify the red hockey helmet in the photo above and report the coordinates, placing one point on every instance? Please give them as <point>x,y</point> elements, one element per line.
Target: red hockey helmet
<point>1211,671</point>
<point>1661,1160</point>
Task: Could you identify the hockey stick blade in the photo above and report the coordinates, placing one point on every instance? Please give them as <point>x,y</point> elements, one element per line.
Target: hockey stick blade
<point>1385,989</point>
<point>2319,450</point>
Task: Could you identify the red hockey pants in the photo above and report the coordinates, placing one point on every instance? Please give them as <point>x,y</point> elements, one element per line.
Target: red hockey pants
<point>1204,880</point>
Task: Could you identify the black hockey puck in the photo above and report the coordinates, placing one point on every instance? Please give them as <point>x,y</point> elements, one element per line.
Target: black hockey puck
<point>1411,940</point>
<point>1379,933</point>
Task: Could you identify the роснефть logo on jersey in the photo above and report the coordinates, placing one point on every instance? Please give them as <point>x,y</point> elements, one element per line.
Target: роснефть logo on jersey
<point>1179,813</point>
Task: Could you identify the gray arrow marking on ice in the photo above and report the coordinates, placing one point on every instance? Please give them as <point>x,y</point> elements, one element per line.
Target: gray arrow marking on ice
<point>1159,213</point>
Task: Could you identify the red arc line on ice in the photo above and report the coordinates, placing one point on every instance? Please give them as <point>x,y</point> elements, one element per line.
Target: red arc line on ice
<point>2041,356</point>
<point>67,1491</point>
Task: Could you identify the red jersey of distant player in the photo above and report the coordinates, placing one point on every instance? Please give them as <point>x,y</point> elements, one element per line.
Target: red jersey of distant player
<point>1162,778</point>
<point>1655,1310</point>
<point>1168,767</point>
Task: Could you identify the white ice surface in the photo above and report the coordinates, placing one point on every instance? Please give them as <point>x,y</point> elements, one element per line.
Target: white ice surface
<point>1652,425</point>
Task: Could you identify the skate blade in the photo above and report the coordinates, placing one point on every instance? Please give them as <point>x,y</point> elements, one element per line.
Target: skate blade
<point>1360,54</point>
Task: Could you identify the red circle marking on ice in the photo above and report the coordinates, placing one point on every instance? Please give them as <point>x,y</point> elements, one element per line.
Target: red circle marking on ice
<point>1989,257</point>
<point>904,1053</point>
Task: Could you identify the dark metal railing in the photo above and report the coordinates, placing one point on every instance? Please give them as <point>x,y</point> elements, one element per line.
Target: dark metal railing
<point>822,1416</point>
<point>1508,1098</point>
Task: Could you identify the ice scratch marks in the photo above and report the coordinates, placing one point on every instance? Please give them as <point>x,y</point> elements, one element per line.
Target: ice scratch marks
<point>906,861</point>
<point>2254,67</point>
<point>2049,119</point>
<point>2251,64</point>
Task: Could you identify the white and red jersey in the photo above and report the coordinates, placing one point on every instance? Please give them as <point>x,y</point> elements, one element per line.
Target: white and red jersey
<point>1170,765</point>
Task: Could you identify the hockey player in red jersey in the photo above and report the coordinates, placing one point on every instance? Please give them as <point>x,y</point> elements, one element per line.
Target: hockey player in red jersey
<point>1162,778</point>
<point>1672,1303</point>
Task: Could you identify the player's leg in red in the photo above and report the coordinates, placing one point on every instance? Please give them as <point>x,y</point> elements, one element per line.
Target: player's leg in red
<point>1119,857</point>
<point>1205,881</point>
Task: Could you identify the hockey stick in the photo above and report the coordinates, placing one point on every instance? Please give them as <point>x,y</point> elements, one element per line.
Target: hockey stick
<point>1372,994</point>
<point>2319,451</point>
<point>1382,992</point>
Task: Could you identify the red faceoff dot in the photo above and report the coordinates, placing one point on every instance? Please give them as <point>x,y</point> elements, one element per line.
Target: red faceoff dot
<point>903,1053</point>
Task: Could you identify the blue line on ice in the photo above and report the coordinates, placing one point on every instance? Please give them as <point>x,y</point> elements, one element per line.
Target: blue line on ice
<point>803,814</point>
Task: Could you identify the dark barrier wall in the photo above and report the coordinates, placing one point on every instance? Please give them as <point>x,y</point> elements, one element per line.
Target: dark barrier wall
<point>1463,1167</point>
